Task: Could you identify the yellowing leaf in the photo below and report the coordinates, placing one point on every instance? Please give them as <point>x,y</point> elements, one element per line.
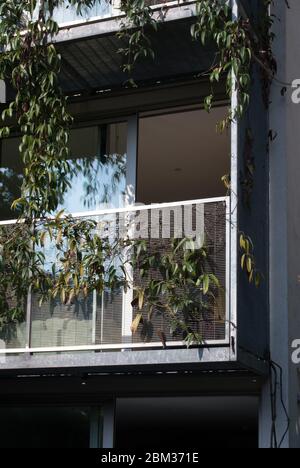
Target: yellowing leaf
<point>59,237</point>
<point>249,264</point>
<point>59,215</point>
<point>136,322</point>
<point>141,299</point>
<point>43,238</point>
<point>63,296</point>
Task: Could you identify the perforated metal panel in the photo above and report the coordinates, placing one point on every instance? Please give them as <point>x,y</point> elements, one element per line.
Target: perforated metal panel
<point>209,323</point>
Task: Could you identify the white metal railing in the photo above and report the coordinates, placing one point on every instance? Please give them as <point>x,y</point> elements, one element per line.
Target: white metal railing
<point>103,10</point>
<point>103,323</point>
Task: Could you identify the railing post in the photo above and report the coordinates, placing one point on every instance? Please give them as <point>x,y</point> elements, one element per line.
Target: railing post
<point>94,318</point>
<point>234,210</point>
<point>130,199</point>
<point>116,7</point>
<point>96,428</point>
<point>28,319</point>
<point>109,416</point>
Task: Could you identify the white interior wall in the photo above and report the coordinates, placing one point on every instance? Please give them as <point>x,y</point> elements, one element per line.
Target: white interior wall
<point>181,156</point>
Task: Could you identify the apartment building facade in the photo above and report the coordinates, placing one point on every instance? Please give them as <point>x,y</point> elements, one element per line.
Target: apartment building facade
<point>75,375</point>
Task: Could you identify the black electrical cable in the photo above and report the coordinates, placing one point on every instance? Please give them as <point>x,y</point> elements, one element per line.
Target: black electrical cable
<point>275,383</point>
<point>275,365</point>
<point>273,396</point>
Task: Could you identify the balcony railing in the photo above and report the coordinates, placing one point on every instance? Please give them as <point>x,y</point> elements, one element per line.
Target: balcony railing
<point>103,322</point>
<point>101,10</point>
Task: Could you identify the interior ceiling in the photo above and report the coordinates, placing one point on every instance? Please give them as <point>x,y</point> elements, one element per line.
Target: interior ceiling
<point>94,64</point>
<point>182,157</point>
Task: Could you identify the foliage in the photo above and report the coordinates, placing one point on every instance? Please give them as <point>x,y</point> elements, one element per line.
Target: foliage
<point>30,62</point>
<point>59,257</point>
<point>138,22</point>
<point>248,262</point>
<point>238,43</point>
<point>181,286</point>
<point>65,258</point>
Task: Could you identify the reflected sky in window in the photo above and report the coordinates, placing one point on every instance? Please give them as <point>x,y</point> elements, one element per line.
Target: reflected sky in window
<point>98,180</point>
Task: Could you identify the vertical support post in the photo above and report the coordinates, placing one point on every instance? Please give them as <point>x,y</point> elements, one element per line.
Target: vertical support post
<point>228,269</point>
<point>109,416</point>
<point>131,168</point>
<point>28,319</point>
<point>131,175</point>
<point>234,213</point>
<point>115,8</point>
<point>94,318</point>
<point>96,428</point>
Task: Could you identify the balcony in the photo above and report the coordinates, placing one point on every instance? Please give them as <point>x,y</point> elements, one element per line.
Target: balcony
<point>103,322</point>
<point>163,154</point>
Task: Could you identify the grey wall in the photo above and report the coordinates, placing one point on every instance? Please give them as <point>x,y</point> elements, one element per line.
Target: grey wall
<point>252,305</point>
<point>285,222</point>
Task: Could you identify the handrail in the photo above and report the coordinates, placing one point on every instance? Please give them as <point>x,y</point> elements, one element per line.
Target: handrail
<point>116,13</point>
<point>130,208</point>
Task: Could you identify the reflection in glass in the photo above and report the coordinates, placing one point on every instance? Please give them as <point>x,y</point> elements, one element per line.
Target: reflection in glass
<point>56,324</point>
<point>13,334</point>
<point>98,156</point>
<point>98,179</point>
<point>10,176</point>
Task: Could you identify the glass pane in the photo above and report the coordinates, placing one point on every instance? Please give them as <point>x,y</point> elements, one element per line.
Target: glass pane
<point>46,427</point>
<point>13,336</point>
<point>55,324</point>
<point>98,157</point>
<point>10,176</point>
<point>13,303</point>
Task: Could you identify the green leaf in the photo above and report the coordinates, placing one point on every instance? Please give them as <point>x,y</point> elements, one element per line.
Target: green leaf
<point>206,284</point>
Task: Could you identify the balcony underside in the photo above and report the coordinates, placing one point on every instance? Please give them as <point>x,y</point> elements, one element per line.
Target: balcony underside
<point>94,389</point>
<point>93,64</point>
<point>172,360</point>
